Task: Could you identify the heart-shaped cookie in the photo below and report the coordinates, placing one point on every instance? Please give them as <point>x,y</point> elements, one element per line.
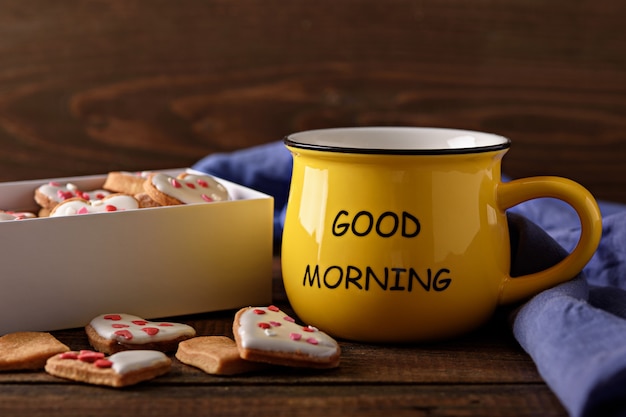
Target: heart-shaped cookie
<point>118,370</point>
<point>184,189</point>
<point>113,202</point>
<point>15,215</point>
<point>50,194</point>
<point>110,333</point>
<point>267,334</point>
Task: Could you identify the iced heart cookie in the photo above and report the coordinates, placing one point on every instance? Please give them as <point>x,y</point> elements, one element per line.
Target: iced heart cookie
<point>216,355</point>
<point>266,334</point>
<point>15,215</point>
<point>184,189</point>
<point>28,350</point>
<point>110,333</point>
<point>112,202</point>
<point>52,193</point>
<point>118,370</point>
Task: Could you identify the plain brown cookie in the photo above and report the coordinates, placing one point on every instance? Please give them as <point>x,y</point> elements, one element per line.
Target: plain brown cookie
<point>125,182</point>
<point>118,370</point>
<point>28,350</point>
<point>216,355</point>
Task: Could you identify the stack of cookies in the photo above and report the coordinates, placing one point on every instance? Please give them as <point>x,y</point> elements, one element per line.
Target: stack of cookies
<point>123,191</point>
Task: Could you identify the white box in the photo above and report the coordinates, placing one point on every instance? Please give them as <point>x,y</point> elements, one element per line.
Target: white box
<point>60,272</point>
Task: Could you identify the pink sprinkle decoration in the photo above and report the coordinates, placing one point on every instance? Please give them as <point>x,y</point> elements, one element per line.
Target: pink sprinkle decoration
<point>89,356</point>
<point>69,355</point>
<point>139,322</point>
<point>258,311</point>
<point>206,198</point>
<point>119,326</point>
<point>273,308</point>
<point>100,196</point>
<point>125,334</point>
<point>82,210</point>
<point>289,319</point>
<point>295,336</point>
<point>54,184</point>
<point>190,185</point>
<point>64,195</point>
<point>175,183</point>
<point>103,363</point>
<point>110,207</point>
<point>308,329</point>
<point>275,323</point>
<point>151,331</point>
<point>165,324</point>
<point>202,183</point>
<point>263,325</point>
<point>312,341</point>
<point>114,317</point>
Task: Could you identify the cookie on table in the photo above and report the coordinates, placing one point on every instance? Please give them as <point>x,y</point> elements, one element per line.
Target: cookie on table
<point>110,333</point>
<point>125,182</point>
<point>118,370</point>
<point>215,355</point>
<point>266,334</point>
<point>184,189</point>
<point>112,202</point>
<point>28,350</point>
<point>50,194</point>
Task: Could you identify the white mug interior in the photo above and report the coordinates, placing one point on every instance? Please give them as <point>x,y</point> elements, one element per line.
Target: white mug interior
<point>397,140</point>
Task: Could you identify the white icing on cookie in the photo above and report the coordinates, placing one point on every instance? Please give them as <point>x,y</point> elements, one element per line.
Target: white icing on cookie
<point>269,329</point>
<point>16,215</point>
<point>133,330</point>
<point>116,202</point>
<point>4,217</point>
<point>133,360</point>
<point>191,188</point>
<point>60,192</point>
<point>138,174</point>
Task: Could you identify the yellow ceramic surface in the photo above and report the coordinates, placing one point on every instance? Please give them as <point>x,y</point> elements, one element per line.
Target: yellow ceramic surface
<point>400,234</point>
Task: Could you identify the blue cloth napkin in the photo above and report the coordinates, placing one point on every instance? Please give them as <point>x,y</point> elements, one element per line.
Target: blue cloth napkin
<point>575,332</point>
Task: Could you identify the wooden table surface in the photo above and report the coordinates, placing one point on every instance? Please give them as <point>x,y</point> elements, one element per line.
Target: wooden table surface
<point>484,373</point>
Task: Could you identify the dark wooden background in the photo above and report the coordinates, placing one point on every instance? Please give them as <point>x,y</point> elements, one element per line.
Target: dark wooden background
<point>92,86</point>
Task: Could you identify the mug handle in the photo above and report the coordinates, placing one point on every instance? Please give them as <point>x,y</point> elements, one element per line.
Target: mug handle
<point>515,192</point>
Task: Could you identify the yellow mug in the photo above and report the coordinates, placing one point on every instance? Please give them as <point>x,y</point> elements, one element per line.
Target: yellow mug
<point>397,234</point>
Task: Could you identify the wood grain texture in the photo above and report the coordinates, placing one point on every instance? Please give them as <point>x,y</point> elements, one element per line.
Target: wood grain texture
<point>483,373</point>
<point>89,87</point>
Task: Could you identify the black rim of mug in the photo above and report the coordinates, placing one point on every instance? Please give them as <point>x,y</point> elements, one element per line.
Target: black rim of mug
<point>291,141</point>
